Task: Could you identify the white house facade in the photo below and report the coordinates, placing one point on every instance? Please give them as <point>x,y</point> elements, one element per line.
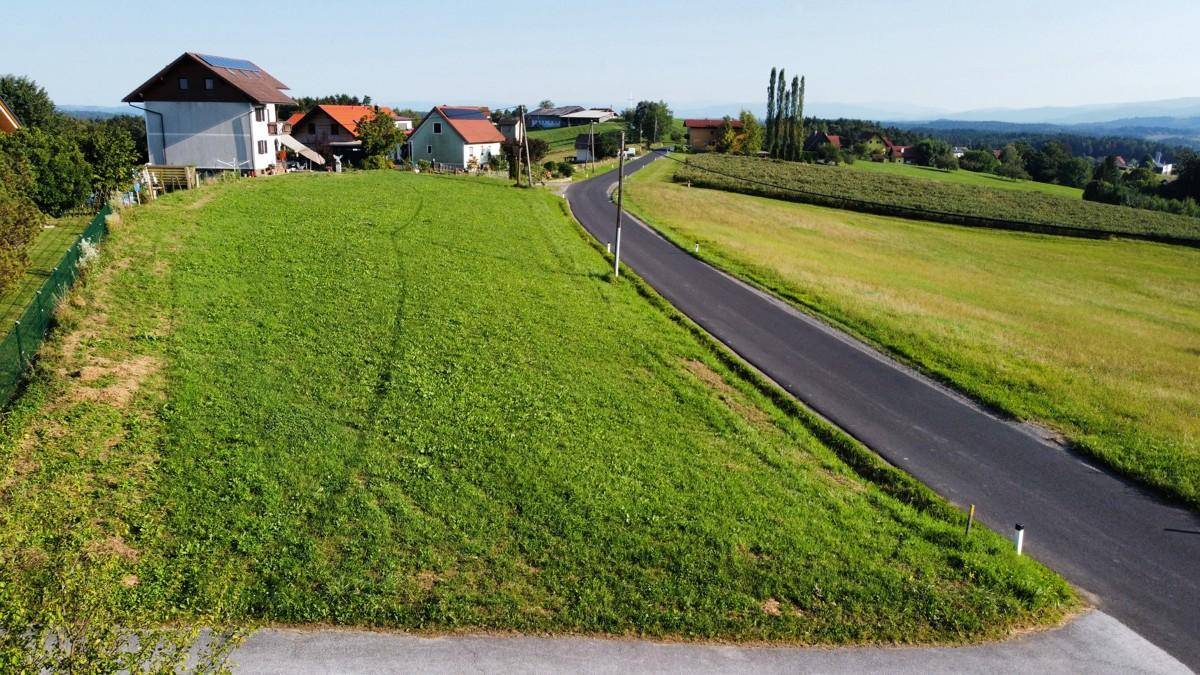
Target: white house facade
<point>214,113</point>
<point>457,137</point>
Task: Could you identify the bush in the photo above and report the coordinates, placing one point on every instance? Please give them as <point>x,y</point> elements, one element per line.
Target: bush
<point>20,221</point>
<point>62,179</point>
<point>376,162</point>
<point>565,169</point>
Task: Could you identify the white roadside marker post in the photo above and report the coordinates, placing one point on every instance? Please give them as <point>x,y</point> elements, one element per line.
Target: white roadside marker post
<point>1020,538</point>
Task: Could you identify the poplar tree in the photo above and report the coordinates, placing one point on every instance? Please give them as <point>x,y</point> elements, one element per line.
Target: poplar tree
<point>780,87</point>
<point>800,120</point>
<point>793,123</point>
<point>770,140</point>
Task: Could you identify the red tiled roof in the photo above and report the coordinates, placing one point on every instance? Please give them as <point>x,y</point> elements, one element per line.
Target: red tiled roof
<point>835,141</point>
<point>348,115</point>
<point>472,131</point>
<point>710,123</point>
<point>296,117</point>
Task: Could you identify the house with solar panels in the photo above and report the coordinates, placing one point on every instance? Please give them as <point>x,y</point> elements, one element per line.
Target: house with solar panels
<point>456,137</point>
<point>214,113</point>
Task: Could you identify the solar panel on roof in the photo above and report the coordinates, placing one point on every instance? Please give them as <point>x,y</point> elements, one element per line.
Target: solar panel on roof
<point>224,62</point>
<point>463,114</point>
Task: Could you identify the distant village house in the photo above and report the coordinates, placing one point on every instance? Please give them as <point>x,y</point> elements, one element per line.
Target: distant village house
<point>333,129</point>
<point>703,133</point>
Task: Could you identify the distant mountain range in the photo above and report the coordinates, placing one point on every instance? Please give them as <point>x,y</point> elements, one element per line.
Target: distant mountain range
<point>1172,121</point>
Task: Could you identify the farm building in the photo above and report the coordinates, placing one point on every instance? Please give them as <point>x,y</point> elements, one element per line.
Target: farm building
<point>455,136</point>
<point>702,133</point>
<point>588,116</point>
<point>550,118</point>
<point>214,113</point>
<point>8,121</point>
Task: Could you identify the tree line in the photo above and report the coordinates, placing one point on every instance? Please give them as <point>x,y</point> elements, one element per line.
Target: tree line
<point>55,164</point>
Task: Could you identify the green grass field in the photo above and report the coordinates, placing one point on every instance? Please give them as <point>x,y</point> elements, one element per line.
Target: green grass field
<point>45,252</point>
<point>1097,339</point>
<point>414,401</point>
<point>966,178</point>
<point>564,137</point>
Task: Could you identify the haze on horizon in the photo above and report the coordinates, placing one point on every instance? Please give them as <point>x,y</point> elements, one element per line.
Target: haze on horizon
<point>935,55</point>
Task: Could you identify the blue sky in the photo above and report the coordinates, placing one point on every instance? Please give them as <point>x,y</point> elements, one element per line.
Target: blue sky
<point>932,54</point>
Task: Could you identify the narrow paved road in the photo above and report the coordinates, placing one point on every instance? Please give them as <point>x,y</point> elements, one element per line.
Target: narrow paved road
<point>1064,650</point>
<point>1139,556</point>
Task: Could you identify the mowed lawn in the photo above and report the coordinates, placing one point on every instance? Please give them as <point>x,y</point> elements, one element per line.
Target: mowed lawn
<point>382,399</point>
<point>1097,339</point>
<point>962,177</point>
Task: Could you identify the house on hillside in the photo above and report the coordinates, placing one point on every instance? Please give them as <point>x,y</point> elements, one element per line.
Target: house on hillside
<point>876,145</point>
<point>8,120</point>
<point>819,138</point>
<point>214,113</point>
<point>458,137</point>
<point>550,118</point>
<point>702,133</point>
<point>902,154</point>
<point>333,129</point>
<point>512,128</point>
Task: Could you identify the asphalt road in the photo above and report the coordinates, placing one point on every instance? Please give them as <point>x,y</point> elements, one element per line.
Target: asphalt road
<point>1137,555</point>
<point>1065,650</point>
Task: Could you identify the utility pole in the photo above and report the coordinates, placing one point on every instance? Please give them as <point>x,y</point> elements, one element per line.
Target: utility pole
<point>620,189</point>
<point>591,147</point>
<point>525,138</point>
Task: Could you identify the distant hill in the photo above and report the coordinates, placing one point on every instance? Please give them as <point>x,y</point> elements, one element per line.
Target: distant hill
<point>96,112</point>
<point>1167,130</point>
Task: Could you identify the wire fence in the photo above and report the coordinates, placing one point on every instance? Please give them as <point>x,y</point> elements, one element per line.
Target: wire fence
<point>19,347</point>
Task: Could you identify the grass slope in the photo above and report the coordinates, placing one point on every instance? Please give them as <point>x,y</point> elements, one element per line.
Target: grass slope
<point>1097,339</point>
<point>892,194</point>
<point>564,137</point>
<point>961,177</point>
<point>418,402</point>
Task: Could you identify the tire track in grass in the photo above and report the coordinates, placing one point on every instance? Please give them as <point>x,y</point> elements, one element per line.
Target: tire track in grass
<point>384,380</point>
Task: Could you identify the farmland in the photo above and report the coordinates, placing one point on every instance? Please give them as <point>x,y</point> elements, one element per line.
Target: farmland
<point>419,402</point>
<point>962,177</point>
<point>1095,339</point>
<point>887,194</point>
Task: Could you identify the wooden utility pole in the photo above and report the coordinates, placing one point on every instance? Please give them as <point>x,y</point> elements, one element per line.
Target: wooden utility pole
<point>620,190</point>
<point>591,147</point>
<point>525,138</point>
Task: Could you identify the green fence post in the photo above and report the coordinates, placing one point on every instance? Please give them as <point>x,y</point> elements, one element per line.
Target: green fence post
<point>20,347</point>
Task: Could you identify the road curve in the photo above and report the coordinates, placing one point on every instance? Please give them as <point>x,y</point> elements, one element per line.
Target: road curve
<point>1137,555</point>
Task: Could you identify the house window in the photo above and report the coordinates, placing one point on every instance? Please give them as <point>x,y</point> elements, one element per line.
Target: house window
<point>208,83</point>
<point>260,114</point>
<point>429,149</point>
<point>183,84</point>
<point>262,147</point>
<point>437,127</point>
<point>333,130</point>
